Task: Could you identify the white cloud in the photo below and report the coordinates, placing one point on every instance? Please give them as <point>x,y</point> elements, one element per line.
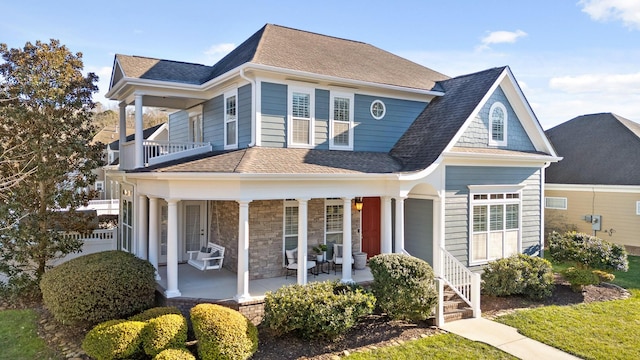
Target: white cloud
<point>218,51</point>
<point>622,84</point>
<point>627,11</point>
<point>104,77</point>
<point>500,37</point>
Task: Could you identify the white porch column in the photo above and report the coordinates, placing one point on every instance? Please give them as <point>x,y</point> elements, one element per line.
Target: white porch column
<point>154,237</point>
<point>143,228</point>
<point>438,235</point>
<point>303,210</point>
<point>346,241</point>
<point>385,214</point>
<point>400,225</point>
<point>243,252</point>
<point>139,162</point>
<point>172,250</point>
<point>123,133</point>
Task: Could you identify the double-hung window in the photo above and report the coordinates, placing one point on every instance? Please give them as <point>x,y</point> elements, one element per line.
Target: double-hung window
<point>495,225</point>
<point>498,124</point>
<point>290,232</point>
<point>126,237</point>
<point>195,124</point>
<point>301,114</point>
<point>334,219</point>
<point>341,122</point>
<point>231,119</point>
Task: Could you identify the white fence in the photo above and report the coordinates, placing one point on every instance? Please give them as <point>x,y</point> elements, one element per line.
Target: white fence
<point>96,241</point>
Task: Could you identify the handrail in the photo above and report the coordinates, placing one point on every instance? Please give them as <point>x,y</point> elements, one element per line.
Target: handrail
<point>464,282</point>
<point>99,234</point>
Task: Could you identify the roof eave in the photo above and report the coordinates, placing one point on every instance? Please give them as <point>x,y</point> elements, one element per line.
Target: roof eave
<point>507,157</point>
<point>255,176</point>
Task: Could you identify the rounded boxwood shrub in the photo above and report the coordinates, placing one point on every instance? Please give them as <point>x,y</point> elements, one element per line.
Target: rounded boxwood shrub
<point>579,277</point>
<point>588,251</point>
<point>175,354</point>
<point>164,332</point>
<point>114,339</point>
<point>155,312</point>
<point>316,310</point>
<point>98,287</point>
<point>519,274</point>
<point>403,286</point>
<point>223,333</point>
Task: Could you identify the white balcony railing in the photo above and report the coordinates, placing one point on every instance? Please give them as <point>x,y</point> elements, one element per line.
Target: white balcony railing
<point>155,152</point>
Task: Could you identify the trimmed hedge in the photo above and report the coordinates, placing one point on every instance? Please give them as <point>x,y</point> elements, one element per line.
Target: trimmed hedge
<point>519,274</point>
<point>155,312</point>
<point>175,354</point>
<point>98,287</point>
<point>316,310</point>
<point>114,339</point>
<point>223,333</point>
<point>164,332</point>
<point>588,251</point>
<point>403,286</point>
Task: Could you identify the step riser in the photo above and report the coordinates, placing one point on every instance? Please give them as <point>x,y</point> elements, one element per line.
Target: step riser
<point>455,308</point>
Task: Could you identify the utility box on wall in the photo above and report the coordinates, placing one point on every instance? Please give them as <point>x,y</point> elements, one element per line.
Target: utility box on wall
<point>596,222</point>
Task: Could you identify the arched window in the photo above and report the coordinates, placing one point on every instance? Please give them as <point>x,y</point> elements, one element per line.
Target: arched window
<point>498,124</point>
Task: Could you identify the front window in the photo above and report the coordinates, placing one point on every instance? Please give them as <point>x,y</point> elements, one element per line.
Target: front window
<point>498,124</point>
<point>231,120</point>
<point>334,217</point>
<point>290,232</point>
<point>341,121</point>
<point>558,203</point>
<point>495,226</point>
<point>301,105</point>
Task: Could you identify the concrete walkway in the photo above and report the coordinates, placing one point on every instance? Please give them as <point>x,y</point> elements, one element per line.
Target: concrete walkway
<point>504,338</point>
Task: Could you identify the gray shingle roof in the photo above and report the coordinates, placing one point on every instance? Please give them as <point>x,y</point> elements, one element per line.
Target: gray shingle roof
<point>439,122</point>
<point>597,149</point>
<point>145,135</point>
<point>293,49</point>
<point>260,160</point>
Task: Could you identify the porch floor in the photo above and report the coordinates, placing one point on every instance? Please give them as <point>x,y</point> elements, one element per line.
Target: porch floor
<point>221,284</point>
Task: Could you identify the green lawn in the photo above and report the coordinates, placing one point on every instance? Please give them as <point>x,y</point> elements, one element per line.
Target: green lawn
<point>18,337</point>
<point>441,346</point>
<point>603,330</point>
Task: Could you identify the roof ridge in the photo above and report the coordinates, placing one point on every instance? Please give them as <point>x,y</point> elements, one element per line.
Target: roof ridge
<point>169,60</point>
<point>315,33</point>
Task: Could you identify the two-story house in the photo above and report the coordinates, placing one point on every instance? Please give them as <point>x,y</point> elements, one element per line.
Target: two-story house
<point>269,148</point>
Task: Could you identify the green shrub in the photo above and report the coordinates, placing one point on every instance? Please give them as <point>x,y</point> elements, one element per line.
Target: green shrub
<point>403,286</point>
<point>579,277</point>
<point>223,333</point>
<point>588,251</point>
<point>98,287</point>
<point>604,276</point>
<point>316,310</point>
<point>164,332</point>
<point>114,339</point>
<point>155,312</point>
<point>175,354</point>
<point>519,274</point>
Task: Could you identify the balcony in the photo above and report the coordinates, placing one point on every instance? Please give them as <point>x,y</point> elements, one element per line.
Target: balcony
<point>156,152</point>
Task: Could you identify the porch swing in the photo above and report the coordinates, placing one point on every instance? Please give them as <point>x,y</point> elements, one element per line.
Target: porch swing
<point>209,257</point>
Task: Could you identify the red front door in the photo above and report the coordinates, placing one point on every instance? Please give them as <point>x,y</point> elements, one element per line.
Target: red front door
<point>371,226</point>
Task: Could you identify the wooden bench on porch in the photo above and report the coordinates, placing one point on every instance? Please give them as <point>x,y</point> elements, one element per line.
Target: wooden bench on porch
<point>207,258</point>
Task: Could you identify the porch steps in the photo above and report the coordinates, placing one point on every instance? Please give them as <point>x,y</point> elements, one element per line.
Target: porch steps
<point>454,307</point>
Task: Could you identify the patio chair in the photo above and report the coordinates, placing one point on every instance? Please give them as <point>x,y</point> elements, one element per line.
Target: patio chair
<point>207,258</point>
<point>337,258</point>
<point>292,262</point>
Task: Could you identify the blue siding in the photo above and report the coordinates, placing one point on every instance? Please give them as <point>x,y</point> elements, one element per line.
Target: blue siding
<point>213,122</point>
<point>418,228</point>
<point>244,116</point>
<point>322,120</point>
<point>179,126</point>
<point>457,204</point>
<point>274,115</point>
<point>477,134</point>
<point>380,135</point>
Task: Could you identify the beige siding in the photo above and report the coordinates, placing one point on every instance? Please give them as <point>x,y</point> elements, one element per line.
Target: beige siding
<point>618,211</point>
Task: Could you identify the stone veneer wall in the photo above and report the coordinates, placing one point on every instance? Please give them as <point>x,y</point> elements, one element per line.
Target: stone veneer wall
<point>266,254</point>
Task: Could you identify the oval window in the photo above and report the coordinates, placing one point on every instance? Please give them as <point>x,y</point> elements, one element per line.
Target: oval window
<point>378,109</point>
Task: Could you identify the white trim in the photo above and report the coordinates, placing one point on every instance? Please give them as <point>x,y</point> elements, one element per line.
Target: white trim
<point>561,207</point>
<point>637,207</point>
<point>495,188</point>
<point>227,95</point>
<point>312,104</point>
<point>195,118</point>
<point>99,188</point>
<point>384,109</point>
<point>591,188</point>
<point>505,121</point>
<point>257,114</point>
<point>332,96</point>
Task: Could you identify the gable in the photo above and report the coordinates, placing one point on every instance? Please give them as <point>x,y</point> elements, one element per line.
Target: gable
<point>117,74</point>
<point>477,133</point>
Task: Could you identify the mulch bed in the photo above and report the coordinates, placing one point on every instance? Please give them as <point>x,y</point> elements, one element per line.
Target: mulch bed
<point>374,331</point>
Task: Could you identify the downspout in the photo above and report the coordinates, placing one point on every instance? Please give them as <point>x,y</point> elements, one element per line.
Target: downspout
<point>253,105</point>
<point>542,183</point>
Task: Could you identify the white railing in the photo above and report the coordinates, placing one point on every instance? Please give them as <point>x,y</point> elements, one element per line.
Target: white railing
<point>99,234</point>
<point>461,280</point>
<point>103,207</point>
<point>93,242</point>
<point>156,151</point>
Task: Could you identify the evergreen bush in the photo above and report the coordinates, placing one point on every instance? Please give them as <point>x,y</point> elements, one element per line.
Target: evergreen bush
<point>114,339</point>
<point>155,312</point>
<point>519,274</point>
<point>175,354</point>
<point>223,333</point>
<point>164,332</point>
<point>588,251</point>
<point>316,310</point>
<point>580,277</point>
<point>403,286</point>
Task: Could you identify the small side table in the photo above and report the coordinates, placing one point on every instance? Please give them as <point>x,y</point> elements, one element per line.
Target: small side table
<point>320,267</point>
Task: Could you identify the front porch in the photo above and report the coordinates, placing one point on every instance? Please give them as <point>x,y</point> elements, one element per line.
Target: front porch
<point>221,285</point>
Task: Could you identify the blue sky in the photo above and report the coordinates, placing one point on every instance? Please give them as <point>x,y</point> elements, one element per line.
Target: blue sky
<point>570,57</point>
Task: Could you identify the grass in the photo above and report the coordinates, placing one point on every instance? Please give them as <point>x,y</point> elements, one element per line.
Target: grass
<point>441,346</point>
<point>19,338</point>
<point>602,330</point>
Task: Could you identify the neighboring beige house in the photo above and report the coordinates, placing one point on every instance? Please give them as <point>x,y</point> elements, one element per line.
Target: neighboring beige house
<point>595,189</point>
<point>108,135</point>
